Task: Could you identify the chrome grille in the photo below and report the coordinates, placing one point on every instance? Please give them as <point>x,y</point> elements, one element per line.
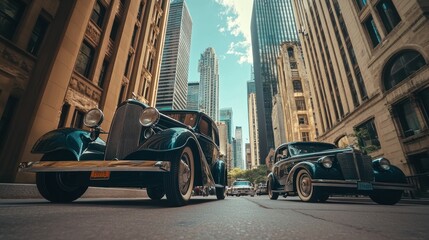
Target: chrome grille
<point>356,166</point>
<point>124,134</point>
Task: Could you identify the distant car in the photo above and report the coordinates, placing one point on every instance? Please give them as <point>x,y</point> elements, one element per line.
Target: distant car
<point>241,188</point>
<point>262,189</point>
<point>167,153</point>
<point>315,170</point>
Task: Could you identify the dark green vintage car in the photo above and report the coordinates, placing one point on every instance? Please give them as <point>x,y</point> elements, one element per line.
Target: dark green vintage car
<point>316,170</point>
<point>167,153</point>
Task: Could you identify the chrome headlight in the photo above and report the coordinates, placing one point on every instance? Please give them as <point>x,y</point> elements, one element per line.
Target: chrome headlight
<point>326,161</point>
<point>93,118</point>
<point>383,163</point>
<point>149,117</point>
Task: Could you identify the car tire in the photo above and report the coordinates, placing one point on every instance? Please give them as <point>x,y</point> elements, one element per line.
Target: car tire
<point>272,195</point>
<point>61,187</point>
<point>155,193</point>
<point>220,193</point>
<point>304,187</point>
<point>386,197</point>
<point>178,184</point>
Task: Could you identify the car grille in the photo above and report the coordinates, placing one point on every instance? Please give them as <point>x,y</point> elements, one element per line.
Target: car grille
<point>356,166</point>
<point>124,135</point>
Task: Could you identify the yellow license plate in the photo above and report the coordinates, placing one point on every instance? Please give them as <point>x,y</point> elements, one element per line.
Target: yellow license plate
<point>100,175</point>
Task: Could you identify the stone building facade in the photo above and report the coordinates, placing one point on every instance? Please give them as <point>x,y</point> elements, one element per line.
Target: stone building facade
<point>294,91</point>
<point>62,58</point>
<point>369,65</point>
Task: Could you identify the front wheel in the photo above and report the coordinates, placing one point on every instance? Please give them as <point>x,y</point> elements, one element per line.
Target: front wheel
<point>62,187</point>
<point>178,184</point>
<point>304,186</point>
<point>386,197</point>
<point>271,194</point>
<point>220,193</point>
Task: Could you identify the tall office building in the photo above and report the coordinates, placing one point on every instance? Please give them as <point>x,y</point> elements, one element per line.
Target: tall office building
<point>368,62</point>
<point>61,58</point>
<point>173,80</point>
<point>209,83</point>
<point>253,125</point>
<point>238,149</point>
<point>226,117</point>
<point>272,23</point>
<point>193,96</point>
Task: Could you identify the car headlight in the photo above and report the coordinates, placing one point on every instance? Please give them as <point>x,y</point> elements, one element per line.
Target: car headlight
<point>149,117</point>
<point>93,118</point>
<point>382,163</point>
<point>326,161</point>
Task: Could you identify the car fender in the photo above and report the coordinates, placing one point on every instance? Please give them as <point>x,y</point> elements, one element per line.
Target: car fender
<point>219,173</point>
<point>166,143</point>
<point>290,180</point>
<point>276,183</point>
<point>69,139</point>
<point>393,175</point>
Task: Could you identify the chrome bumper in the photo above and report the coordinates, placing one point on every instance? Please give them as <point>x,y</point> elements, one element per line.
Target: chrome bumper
<point>95,165</point>
<point>354,184</point>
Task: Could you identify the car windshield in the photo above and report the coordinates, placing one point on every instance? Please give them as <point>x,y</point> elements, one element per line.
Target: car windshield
<point>187,118</point>
<point>303,148</point>
<point>242,183</point>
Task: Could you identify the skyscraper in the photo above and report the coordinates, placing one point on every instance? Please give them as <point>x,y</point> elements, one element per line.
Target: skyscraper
<point>226,117</point>
<point>238,153</point>
<point>253,125</point>
<point>272,23</point>
<point>193,96</point>
<point>209,83</point>
<point>172,91</point>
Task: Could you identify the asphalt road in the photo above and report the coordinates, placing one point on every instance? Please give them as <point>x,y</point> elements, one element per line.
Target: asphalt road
<point>208,218</point>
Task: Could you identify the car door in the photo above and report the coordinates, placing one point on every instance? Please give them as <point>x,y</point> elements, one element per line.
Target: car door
<point>281,165</point>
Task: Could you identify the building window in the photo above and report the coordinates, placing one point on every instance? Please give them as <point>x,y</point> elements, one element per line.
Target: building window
<point>77,121</point>
<point>121,94</point>
<point>293,65</point>
<point>290,52</point>
<point>372,31</point>
<point>305,136</point>
<point>297,86</point>
<point>115,29</point>
<point>6,118</point>
<point>302,119</point>
<point>85,59</point>
<point>400,66</point>
<point>64,114</point>
<point>10,15</point>
<point>103,73</point>
<point>424,103</point>
<point>388,14</point>
<point>300,103</point>
<point>367,136</point>
<point>37,35</point>
<point>407,118</point>
<point>98,12</point>
<point>361,3</point>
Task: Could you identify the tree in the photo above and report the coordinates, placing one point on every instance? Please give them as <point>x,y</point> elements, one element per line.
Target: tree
<point>255,176</point>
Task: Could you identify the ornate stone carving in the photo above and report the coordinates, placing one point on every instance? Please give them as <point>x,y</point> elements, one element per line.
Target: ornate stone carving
<point>86,88</point>
<point>93,33</point>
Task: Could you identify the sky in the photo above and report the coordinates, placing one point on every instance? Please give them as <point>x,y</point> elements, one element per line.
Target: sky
<point>225,26</point>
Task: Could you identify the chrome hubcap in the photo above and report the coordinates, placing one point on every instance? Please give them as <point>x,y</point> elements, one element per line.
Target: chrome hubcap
<point>184,174</point>
<point>305,185</point>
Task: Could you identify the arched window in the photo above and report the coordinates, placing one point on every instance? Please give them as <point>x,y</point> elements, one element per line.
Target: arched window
<point>400,66</point>
<point>290,52</point>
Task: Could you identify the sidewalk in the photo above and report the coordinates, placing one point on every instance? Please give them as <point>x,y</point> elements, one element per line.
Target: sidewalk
<point>29,191</point>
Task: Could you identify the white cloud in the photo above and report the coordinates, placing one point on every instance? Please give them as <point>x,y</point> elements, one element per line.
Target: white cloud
<point>237,14</point>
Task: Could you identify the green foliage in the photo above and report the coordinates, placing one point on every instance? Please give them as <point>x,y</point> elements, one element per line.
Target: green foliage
<point>363,140</point>
<point>255,176</point>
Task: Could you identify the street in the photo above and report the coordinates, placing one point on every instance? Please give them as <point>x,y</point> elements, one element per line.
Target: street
<point>207,218</point>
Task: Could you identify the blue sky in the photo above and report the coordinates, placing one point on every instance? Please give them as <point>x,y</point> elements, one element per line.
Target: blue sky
<point>225,26</point>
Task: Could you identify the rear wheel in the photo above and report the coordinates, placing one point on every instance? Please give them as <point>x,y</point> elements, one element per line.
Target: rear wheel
<point>178,184</point>
<point>155,193</point>
<point>220,193</point>
<point>386,197</point>
<point>61,187</point>
<point>271,194</point>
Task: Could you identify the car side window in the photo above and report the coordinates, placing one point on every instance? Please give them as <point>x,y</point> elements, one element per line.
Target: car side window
<point>281,154</point>
<point>205,128</point>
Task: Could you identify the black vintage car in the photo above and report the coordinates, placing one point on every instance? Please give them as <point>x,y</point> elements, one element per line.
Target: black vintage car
<point>167,153</point>
<point>315,170</point>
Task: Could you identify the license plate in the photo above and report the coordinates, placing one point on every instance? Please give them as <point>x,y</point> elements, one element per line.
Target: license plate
<point>100,175</point>
<point>365,186</point>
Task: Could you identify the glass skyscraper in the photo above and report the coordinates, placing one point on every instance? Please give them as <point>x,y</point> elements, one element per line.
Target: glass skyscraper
<point>173,80</point>
<point>272,23</point>
<point>226,117</point>
<point>193,96</point>
<point>209,83</point>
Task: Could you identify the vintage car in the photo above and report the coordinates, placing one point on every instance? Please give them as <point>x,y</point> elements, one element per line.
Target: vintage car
<point>262,189</point>
<point>168,153</point>
<point>315,170</point>
<point>242,187</point>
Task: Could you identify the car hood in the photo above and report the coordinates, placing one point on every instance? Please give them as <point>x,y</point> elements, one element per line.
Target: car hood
<point>324,153</point>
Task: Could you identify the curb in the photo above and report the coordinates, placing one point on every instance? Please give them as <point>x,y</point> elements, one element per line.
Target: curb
<point>29,191</point>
